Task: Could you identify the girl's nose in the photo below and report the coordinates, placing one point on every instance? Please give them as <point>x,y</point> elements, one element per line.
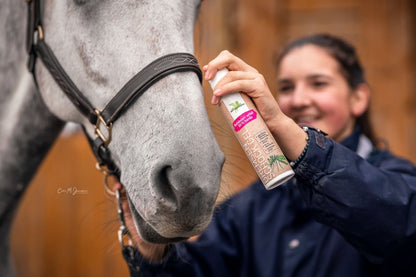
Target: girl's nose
<point>300,97</point>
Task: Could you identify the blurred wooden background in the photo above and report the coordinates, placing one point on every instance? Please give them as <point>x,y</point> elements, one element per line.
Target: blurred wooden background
<point>59,234</point>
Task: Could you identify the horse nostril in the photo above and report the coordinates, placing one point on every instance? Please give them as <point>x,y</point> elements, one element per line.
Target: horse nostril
<point>164,189</point>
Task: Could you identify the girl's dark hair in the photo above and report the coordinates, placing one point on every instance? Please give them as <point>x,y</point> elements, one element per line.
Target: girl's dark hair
<point>350,66</point>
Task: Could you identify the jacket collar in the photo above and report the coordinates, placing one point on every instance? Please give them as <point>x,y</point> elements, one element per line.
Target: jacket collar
<point>359,143</point>
<point>352,141</point>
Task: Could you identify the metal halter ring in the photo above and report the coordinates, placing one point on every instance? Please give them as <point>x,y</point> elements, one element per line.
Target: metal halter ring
<point>106,175</point>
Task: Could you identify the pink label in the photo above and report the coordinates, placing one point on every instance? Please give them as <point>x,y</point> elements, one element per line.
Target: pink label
<point>243,119</point>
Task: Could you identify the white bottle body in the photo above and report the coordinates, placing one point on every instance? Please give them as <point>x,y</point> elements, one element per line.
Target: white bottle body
<point>255,138</point>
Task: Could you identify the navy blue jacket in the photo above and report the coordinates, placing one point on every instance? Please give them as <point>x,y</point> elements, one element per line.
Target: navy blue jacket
<point>341,215</point>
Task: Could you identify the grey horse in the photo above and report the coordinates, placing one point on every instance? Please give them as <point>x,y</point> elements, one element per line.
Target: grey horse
<point>169,159</point>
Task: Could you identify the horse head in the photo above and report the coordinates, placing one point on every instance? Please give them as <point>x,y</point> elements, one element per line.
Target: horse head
<point>163,144</point>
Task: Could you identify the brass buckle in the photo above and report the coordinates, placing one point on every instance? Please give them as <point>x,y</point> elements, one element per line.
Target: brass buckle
<point>40,32</point>
<point>37,34</point>
<point>98,133</point>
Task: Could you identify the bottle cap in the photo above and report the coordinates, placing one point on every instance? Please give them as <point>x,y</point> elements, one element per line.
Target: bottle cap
<point>280,179</point>
<point>220,74</point>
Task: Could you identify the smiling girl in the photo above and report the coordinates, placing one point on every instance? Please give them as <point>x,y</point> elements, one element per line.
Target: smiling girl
<point>349,211</point>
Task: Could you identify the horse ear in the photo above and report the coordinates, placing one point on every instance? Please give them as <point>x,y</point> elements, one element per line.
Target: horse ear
<point>360,100</point>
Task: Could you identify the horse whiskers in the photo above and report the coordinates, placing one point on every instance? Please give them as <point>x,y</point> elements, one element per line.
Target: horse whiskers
<point>112,246</point>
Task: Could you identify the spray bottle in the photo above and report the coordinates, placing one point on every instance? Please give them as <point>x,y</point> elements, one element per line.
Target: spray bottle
<point>255,138</point>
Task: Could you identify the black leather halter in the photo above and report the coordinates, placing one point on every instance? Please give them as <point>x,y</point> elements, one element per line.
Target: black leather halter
<point>37,48</point>
<point>178,62</point>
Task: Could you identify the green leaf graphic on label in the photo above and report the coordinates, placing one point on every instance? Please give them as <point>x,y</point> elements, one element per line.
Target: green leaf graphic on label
<point>277,160</point>
<point>235,106</point>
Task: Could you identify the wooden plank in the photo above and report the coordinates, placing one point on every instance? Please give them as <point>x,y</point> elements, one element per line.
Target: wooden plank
<point>59,232</point>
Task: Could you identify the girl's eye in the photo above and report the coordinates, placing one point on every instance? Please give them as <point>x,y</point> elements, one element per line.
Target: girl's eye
<point>318,84</point>
<point>285,88</point>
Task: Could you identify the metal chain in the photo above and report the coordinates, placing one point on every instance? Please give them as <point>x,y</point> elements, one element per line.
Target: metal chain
<point>125,239</point>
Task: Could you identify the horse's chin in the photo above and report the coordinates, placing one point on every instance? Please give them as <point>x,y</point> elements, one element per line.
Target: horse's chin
<point>147,232</point>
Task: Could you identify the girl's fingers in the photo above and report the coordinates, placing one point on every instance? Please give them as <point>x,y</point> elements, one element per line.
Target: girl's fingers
<point>215,100</point>
<point>238,81</point>
<point>232,76</point>
<point>240,78</point>
<point>246,86</point>
<point>226,60</point>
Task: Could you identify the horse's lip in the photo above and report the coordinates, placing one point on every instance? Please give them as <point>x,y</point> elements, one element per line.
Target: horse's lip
<point>146,231</point>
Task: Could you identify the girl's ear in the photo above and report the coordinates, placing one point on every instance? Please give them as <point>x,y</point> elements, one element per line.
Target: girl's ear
<point>360,100</point>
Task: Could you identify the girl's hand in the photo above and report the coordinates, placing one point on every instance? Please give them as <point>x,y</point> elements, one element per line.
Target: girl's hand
<point>246,79</point>
<point>242,78</point>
